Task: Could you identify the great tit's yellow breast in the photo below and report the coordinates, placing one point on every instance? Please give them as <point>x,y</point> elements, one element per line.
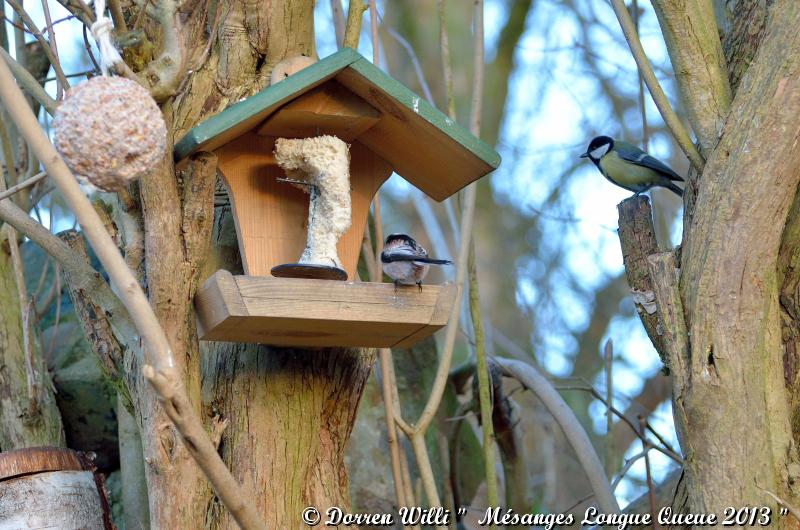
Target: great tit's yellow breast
<point>625,173</point>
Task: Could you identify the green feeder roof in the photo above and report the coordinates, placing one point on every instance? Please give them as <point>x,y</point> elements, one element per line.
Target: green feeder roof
<point>424,146</point>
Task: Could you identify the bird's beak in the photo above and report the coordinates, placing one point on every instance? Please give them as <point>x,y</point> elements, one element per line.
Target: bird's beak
<point>584,155</point>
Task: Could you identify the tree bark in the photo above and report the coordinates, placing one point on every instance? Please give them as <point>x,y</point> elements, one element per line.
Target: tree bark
<point>228,51</point>
<point>290,415</point>
<point>728,386</point>
<point>28,413</point>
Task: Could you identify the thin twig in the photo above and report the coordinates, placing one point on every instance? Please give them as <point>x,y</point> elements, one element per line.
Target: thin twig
<point>792,510</point>
<point>338,21</point>
<point>22,185</point>
<point>642,107</point>
<point>664,107</point>
<point>30,84</point>
<point>15,25</point>
<point>46,46</point>
<point>484,386</point>
<point>628,465</point>
<point>160,368</point>
<point>116,15</point>
<point>577,503</point>
<point>80,9</point>
<point>659,437</point>
<point>385,355</point>
<point>42,277</point>
<point>651,490</point>
<point>51,34</point>
<point>369,256</point>
<point>43,306</point>
<point>667,451</point>
<point>88,46</point>
<point>608,351</point>
<point>52,345</point>
<point>423,83</point>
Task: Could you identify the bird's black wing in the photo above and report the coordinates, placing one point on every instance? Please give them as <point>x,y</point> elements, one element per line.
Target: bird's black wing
<point>390,257</point>
<point>634,155</point>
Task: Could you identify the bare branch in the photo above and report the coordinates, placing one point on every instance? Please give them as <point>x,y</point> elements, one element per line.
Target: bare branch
<point>352,32</point>
<point>31,85</point>
<point>117,16</point>
<point>27,183</point>
<point>46,46</point>
<point>51,36</point>
<point>80,9</point>
<point>690,32</point>
<point>165,73</point>
<point>659,97</point>
<point>574,432</point>
<point>792,510</point>
<point>86,278</point>
<point>338,21</point>
<point>509,437</point>
<point>485,382</point>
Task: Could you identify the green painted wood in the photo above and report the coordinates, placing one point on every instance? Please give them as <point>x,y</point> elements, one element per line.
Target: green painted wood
<point>249,113</point>
<point>257,107</point>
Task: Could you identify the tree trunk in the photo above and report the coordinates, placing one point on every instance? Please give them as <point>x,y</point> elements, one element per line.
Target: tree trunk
<point>28,413</point>
<point>291,412</point>
<point>283,415</point>
<point>723,328</point>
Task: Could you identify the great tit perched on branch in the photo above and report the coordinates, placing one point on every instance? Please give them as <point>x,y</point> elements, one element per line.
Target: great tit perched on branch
<point>629,167</point>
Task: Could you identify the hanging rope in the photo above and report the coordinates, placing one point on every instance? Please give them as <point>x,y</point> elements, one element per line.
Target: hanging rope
<point>109,56</point>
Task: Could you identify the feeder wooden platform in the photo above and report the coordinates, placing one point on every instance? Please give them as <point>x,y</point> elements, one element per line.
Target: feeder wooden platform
<point>316,313</point>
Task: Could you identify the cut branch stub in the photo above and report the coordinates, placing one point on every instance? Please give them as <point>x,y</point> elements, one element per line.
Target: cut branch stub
<point>638,240</point>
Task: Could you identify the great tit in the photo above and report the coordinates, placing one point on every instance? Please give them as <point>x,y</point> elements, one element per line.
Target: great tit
<point>629,167</point>
<point>405,261</point>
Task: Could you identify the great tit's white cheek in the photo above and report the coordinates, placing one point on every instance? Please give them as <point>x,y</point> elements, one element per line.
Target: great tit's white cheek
<point>599,152</point>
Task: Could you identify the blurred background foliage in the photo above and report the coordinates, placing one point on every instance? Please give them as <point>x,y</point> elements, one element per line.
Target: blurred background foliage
<point>550,268</point>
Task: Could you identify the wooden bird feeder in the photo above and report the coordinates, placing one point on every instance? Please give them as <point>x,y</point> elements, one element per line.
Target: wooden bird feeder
<point>388,128</point>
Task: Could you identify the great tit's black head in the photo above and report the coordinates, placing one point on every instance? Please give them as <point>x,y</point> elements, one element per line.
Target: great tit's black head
<point>598,148</point>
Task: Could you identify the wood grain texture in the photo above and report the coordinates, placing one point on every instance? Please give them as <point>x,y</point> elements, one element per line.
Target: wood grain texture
<point>314,313</point>
<point>328,109</point>
<point>38,459</point>
<point>67,500</point>
<point>271,216</point>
